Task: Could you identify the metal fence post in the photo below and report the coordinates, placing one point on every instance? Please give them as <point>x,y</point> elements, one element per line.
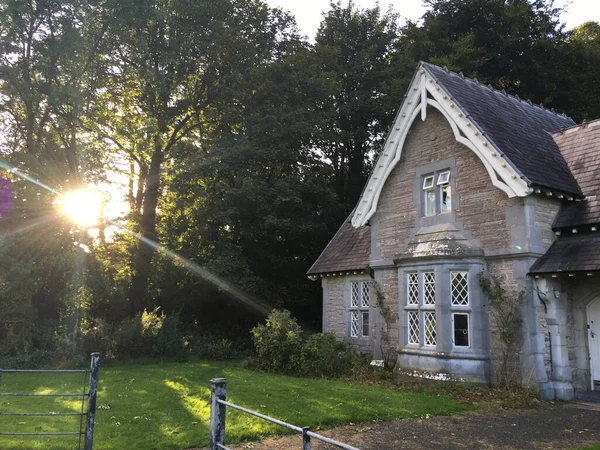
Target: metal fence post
<point>91,409</point>
<point>218,391</point>
<point>305,438</point>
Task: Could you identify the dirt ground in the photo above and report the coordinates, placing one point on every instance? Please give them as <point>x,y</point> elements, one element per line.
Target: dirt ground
<point>552,426</point>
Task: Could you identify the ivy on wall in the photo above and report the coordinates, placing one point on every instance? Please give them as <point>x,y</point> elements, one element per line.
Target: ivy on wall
<point>506,327</point>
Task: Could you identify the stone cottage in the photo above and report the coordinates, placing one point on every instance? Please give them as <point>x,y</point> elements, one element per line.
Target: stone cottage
<point>472,180</point>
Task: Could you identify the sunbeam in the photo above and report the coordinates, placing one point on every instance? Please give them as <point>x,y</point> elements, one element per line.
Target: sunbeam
<point>203,273</point>
<point>29,226</point>
<point>194,268</point>
<point>14,170</point>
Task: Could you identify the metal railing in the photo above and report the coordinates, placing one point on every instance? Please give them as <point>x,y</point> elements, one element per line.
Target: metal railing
<point>88,415</point>
<point>218,405</point>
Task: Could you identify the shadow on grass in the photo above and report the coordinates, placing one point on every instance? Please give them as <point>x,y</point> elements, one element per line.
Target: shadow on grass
<point>166,406</point>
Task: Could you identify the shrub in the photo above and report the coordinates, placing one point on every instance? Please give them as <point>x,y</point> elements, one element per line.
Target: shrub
<point>151,333</point>
<point>324,356</point>
<point>278,343</point>
<point>281,347</point>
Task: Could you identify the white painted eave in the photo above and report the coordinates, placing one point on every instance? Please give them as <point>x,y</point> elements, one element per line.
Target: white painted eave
<point>424,91</point>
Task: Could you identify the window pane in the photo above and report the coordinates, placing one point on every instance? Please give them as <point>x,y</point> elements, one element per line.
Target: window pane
<point>429,328</point>
<point>429,288</point>
<point>364,297</point>
<point>354,323</point>
<point>443,178</point>
<point>461,330</point>
<point>460,288</point>
<point>413,289</point>
<point>413,327</point>
<point>365,323</point>
<point>429,202</point>
<point>354,294</point>
<point>428,182</point>
<point>446,198</point>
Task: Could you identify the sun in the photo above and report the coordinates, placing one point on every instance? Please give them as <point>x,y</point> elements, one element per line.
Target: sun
<point>83,207</point>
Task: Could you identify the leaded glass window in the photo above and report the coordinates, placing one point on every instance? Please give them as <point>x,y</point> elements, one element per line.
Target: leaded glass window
<point>429,328</point>
<point>459,288</point>
<point>360,294</point>
<point>429,288</point>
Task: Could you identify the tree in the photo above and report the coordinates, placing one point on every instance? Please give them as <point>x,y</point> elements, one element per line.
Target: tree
<point>512,44</point>
<point>49,61</point>
<point>578,93</point>
<point>352,48</point>
<point>254,205</point>
<point>176,64</point>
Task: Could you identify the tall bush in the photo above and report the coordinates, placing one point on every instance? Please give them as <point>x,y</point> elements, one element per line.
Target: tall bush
<point>282,347</point>
<point>278,343</point>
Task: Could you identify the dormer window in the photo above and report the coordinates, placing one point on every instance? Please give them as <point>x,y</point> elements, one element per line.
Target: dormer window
<point>437,193</point>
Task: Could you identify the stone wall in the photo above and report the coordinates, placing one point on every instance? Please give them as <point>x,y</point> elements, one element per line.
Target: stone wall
<point>509,233</point>
<point>387,322</point>
<point>478,205</point>
<point>546,209</point>
<point>333,306</point>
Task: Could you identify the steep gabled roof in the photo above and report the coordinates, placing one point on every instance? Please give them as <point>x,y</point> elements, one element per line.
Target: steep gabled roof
<point>518,129</point>
<point>511,137</point>
<point>348,250</point>
<point>580,147</point>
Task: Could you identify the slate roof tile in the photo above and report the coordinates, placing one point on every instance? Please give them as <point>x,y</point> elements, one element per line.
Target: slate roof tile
<point>348,250</point>
<point>518,129</point>
<point>580,147</point>
<point>571,253</point>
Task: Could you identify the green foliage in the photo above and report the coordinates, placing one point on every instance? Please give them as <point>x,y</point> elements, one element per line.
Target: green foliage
<point>506,326</point>
<point>353,48</point>
<point>149,334</point>
<point>281,347</point>
<point>324,356</point>
<point>278,343</point>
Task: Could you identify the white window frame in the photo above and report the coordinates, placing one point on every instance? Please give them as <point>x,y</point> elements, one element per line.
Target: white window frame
<point>420,309</point>
<point>465,275</point>
<point>428,182</point>
<point>358,307</point>
<point>443,178</point>
<point>436,183</point>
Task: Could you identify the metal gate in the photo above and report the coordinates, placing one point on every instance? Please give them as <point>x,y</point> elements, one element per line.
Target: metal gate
<point>218,408</point>
<point>87,415</point>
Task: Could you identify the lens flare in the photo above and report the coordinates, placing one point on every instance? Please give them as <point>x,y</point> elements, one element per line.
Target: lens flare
<point>83,207</point>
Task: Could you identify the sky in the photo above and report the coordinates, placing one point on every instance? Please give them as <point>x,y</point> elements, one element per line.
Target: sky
<point>308,12</point>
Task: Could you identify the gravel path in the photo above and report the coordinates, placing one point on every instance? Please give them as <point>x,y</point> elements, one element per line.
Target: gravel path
<point>555,426</point>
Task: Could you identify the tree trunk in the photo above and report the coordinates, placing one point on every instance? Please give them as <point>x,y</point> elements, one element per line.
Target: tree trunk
<point>143,256</point>
<point>71,153</point>
<point>130,194</point>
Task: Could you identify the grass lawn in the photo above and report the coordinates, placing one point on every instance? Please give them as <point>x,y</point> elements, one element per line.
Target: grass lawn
<point>166,406</point>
